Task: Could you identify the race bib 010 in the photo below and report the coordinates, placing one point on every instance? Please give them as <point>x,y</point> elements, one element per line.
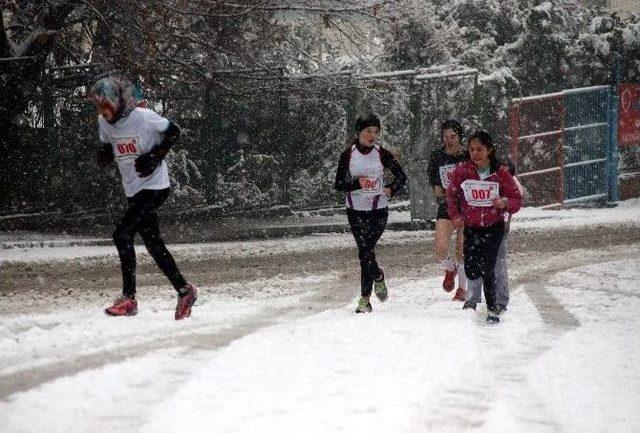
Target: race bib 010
<point>446,171</point>
<point>127,148</point>
<point>480,193</point>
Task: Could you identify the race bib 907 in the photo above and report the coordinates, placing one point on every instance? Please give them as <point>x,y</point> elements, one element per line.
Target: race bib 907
<point>446,171</point>
<point>480,193</point>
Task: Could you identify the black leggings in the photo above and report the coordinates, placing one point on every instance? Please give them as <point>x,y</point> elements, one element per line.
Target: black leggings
<point>481,245</point>
<point>142,217</point>
<point>367,227</point>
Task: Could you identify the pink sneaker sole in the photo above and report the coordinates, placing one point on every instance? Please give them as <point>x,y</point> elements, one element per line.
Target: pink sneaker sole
<point>118,313</point>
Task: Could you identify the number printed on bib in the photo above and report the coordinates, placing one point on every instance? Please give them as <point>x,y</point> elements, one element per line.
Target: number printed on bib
<point>127,147</point>
<point>372,185</point>
<point>480,193</point>
<point>446,171</point>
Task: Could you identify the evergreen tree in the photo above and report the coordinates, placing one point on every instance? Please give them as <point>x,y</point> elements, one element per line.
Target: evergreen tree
<point>538,57</point>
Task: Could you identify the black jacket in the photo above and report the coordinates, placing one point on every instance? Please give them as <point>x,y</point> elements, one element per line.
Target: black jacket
<point>439,158</point>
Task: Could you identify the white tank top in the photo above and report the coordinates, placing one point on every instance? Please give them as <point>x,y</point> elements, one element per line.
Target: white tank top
<point>369,167</point>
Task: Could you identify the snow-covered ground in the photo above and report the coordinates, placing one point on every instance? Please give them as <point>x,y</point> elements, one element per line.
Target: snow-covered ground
<point>20,247</point>
<point>565,358</point>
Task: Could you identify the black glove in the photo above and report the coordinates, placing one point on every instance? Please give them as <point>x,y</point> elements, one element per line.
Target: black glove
<point>104,154</point>
<point>147,163</point>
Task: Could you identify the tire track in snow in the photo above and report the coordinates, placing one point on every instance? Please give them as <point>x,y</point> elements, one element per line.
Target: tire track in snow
<point>202,338</point>
<point>402,258</point>
<point>502,377</point>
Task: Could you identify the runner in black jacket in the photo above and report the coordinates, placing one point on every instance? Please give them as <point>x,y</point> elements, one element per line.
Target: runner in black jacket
<point>441,164</point>
<point>360,174</point>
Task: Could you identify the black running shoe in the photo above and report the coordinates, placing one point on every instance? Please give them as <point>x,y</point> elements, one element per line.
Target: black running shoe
<point>468,305</point>
<point>492,318</point>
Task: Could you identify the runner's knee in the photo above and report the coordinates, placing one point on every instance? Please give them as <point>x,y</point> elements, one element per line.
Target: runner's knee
<point>441,251</point>
<point>366,256</point>
<point>122,237</point>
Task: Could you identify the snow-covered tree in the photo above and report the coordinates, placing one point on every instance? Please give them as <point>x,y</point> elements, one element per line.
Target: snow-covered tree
<point>231,74</point>
<point>189,56</point>
<point>538,57</point>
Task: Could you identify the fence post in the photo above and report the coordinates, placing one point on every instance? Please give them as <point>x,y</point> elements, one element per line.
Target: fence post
<point>207,145</point>
<point>351,111</point>
<point>514,131</point>
<point>612,150</point>
<point>420,193</point>
<point>415,126</point>
<point>562,193</point>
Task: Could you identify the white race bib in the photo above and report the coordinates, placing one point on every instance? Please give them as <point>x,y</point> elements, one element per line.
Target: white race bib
<point>446,171</point>
<point>126,148</point>
<point>371,185</point>
<point>480,193</point>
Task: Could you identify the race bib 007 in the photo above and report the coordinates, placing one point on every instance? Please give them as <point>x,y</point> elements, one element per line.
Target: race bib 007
<point>446,171</point>
<point>480,193</point>
<point>126,148</point>
<point>371,185</point>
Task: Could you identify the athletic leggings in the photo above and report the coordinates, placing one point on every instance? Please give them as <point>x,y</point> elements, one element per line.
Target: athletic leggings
<point>474,290</point>
<point>367,227</point>
<point>481,246</point>
<point>142,217</point>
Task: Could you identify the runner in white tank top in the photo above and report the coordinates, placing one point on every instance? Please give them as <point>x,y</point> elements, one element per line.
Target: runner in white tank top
<point>361,175</point>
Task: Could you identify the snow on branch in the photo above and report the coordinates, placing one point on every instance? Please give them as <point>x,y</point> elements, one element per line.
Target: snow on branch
<point>17,59</point>
<point>453,74</point>
<point>418,74</point>
<point>204,7</point>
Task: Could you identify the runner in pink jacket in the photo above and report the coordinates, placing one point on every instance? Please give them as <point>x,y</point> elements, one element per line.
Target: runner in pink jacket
<point>480,192</point>
<point>475,215</point>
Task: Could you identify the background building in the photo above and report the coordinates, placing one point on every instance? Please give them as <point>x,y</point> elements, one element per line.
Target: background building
<point>616,5</point>
<point>625,5</point>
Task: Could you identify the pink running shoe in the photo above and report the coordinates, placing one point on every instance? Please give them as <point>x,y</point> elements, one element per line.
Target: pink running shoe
<point>460,294</point>
<point>123,306</point>
<point>449,280</point>
<point>186,301</point>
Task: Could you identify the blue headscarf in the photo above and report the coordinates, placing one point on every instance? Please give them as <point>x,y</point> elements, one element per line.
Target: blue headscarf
<point>117,91</point>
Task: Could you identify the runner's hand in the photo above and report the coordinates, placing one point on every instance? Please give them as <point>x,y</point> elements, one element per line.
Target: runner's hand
<point>499,202</point>
<point>146,164</point>
<point>387,192</point>
<point>104,155</point>
<point>438,191</point>
<point>457,222</point>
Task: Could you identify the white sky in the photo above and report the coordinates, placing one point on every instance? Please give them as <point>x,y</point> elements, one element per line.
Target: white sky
<point>564,359</point>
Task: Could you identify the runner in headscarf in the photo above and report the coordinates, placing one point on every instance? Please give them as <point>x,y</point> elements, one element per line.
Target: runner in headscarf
<point>138,139</point>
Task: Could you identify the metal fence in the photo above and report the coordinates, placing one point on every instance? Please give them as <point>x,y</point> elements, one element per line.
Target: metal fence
<point>563,145</point>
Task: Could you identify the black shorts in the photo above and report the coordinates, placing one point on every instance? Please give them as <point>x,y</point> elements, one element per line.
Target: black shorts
<point>442,210</point>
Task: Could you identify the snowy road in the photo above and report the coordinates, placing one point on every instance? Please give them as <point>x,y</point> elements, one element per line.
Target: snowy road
<point>281,351</point>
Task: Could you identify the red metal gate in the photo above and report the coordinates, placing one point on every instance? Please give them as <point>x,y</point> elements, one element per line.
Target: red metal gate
<point>561,145</point>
